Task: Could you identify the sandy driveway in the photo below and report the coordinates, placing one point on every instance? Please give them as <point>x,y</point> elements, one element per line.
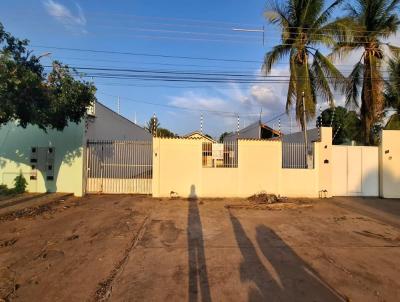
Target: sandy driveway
<point>126,248</point>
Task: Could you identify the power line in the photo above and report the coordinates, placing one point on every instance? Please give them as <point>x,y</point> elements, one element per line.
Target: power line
<point>220,112</point>
<point>190,72</point>
<point>145,54</point>
<point>202,22</point>
<point>192,76</point>
<point>171,64</point>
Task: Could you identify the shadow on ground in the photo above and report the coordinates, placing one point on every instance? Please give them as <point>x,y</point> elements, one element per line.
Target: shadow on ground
<point>198,279</point>
<point>288,278</point>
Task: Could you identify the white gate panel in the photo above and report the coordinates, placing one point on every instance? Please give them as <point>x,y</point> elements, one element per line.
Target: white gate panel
<point>339,170</point>
<point>370,165</point>
<point>355,171</point>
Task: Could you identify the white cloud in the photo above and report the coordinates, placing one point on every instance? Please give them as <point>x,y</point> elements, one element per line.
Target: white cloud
<point>65,16</point>
<point>263,94</point>
<point>247,101</point>
<point>196,101</point>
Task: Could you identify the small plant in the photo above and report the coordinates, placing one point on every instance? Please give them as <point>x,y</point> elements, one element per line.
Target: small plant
<point>4,190</point>
<point>20,184</point>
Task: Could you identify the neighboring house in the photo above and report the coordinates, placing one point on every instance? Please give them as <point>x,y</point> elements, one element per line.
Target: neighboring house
<point>199,135</point>
<point>257,130</point>
<point>55,161</point>
<point>313,135</point>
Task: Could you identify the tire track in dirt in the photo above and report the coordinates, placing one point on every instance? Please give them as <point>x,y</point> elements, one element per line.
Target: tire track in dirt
<point>104,289</point>
<point>32,211</point>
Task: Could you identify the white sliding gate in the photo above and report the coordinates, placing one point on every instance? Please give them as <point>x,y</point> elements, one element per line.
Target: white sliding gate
<point>119,167</point>
<point>355,171</point>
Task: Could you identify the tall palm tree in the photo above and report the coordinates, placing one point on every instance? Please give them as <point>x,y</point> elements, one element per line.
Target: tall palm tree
<point>370,23</point>
<point>305,26</point>
<point>392,92</point>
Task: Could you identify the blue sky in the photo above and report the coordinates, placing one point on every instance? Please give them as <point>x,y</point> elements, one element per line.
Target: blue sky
<point>170,28</point>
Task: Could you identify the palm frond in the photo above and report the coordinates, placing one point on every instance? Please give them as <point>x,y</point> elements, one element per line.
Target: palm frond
<point>273,56</point>
<point>395,50</point>
<point>321,83</point>
<point>276,14</point>
<point>335,76</point>
<point>325,16</point>
<point>353,86</point>
<point>343,49</point>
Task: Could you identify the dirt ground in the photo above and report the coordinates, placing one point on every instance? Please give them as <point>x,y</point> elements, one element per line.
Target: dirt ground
<point>135,248</point>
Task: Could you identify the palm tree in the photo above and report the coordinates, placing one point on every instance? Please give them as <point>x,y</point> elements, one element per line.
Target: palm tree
<point>392,92</point>
<point>305,26</point>
<point>153,125</point>
<point>369,22</point>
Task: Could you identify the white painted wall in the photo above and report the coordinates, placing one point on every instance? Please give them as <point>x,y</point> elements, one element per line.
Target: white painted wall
<point>355,170</point>
<point>109,125</point>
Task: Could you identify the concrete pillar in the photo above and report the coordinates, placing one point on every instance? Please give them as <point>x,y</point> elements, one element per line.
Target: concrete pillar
<point>389,164</point>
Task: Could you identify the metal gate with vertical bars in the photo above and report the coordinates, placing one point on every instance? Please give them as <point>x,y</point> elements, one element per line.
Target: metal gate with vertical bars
<point>119,167</point>
<point>294,155</point>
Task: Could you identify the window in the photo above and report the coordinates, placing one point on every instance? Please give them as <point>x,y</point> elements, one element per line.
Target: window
<point>215,155</point>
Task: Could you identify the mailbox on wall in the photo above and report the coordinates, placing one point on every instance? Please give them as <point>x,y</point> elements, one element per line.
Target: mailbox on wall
<point>42,159</point>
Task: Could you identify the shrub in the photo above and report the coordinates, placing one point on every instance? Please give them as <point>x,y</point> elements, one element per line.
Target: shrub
<point>20,184</point>
<point>4,190</point>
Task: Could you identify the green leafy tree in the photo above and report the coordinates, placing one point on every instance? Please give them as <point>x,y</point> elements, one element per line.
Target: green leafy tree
<point>369,23</point>
<point>153,126</point>
<point>222,136</point>
<point>208,135</point>
<point>30,96</point>
<point>305,26</point>
<point>345,124</point>
<point>163,132</point>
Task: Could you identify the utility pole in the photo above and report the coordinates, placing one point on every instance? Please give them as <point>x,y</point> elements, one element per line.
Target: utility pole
<point>238,125</point>
<point>118,106</point>
<point>154,130</point>
<point>305,130</point>
<point>201,123</point>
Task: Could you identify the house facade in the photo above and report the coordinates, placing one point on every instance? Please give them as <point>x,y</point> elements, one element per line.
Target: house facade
<point>55,161</point>
<point>257,130</point>
<point>199,135</point>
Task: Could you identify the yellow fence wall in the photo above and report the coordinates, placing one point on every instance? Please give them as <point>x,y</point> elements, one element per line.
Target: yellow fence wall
<point>178,170</point>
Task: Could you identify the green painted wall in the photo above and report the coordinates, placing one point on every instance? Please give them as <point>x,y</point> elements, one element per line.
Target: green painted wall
<point>15,152</point>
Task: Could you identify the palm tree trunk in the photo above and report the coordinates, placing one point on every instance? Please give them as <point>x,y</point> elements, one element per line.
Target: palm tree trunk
<point>303,90</point>
<point>371,97</point>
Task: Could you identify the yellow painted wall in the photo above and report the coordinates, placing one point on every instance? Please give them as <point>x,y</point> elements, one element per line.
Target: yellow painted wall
<point>176,165</point>
<point>324,162</point>
<point>178,168</point>
<point>299,183</point>
<point>214,181</point>
<point>259,165</point>
<point>15,152</point>
<point>390,164</point>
